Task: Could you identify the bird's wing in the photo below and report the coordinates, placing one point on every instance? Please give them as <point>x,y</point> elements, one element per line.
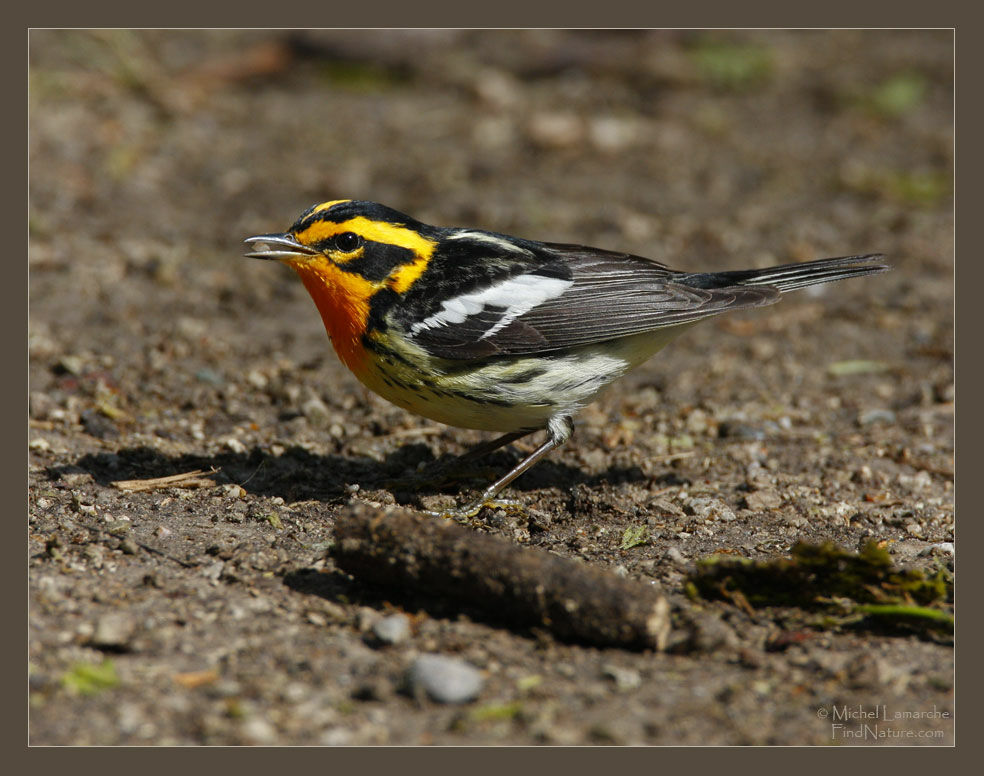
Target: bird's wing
<point>575,296</point>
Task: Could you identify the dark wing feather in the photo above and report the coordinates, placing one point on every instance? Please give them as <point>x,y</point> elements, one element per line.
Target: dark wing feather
<point>616,295</point>
<point>609,295</point>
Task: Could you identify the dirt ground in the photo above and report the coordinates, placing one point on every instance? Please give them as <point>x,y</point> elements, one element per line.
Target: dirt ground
<point>211,612</point>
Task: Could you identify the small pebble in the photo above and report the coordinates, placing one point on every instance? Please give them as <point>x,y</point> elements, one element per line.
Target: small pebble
<point>555,130</point>
<point>317,413</point>
<point>98,426</point>
<point>624,678</point>
<point>612,134</point>
<point>697,422</point>
<point>760,500</point>
<point>232,490</point>
<point>794,520</point>
<point>257,379</point>
<point>234,445</point>
<point>72,365</point>
<point>207,375</point>
<point>757,477</point>
<point>445,679</point>
<point>676,557</point>
<point>258,731</point>
<point>709,509</point>
<point>335,737</point>
<point>392,629</point>
<point>876,416</point>
<point>75,478</point>
<point>738,430</point>
<point>40,405</point>
<point>114,630</point>
<point>129,547</point>
<point>497,88</point>
<point>710,633</point>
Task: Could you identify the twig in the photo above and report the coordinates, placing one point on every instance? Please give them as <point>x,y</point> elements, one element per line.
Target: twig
<point>395,548</point>
<point>191,479</point>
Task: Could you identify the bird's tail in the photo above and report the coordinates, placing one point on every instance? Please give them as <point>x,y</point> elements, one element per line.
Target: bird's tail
<point>788,277</point>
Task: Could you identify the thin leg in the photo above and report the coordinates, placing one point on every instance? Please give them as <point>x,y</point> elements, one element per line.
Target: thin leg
<point>559,430</point>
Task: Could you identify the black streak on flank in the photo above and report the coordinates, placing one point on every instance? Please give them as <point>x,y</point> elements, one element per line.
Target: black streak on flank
<point>527,376</point>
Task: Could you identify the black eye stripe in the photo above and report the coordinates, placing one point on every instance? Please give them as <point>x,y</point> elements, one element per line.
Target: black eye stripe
<point>378,260</point>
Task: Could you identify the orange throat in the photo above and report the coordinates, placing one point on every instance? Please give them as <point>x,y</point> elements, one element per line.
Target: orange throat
<point>342,298</point>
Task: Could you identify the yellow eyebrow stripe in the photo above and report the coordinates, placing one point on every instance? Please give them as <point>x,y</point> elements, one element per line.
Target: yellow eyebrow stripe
<point>377,231</point>
<point>326,205</point>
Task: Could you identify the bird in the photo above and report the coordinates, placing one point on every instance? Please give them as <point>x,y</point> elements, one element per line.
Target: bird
<point>482,330</point>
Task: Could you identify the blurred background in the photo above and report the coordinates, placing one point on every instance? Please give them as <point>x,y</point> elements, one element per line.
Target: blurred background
<point>648,139</point>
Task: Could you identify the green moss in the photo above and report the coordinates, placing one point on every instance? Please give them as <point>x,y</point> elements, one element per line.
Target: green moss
<point>528,682</point>
<point>89,679</point>
<point>732,66</point>
<point>896,95</point>
<point>923,188</point>
<point>919,188</point>
<point>857,367</point>
<point>497,711</point>
<point>234,709</point>
<point>690,590</point>
<point>634,536</point>
<point>681,442</point>
<point>893,612</point>
<point>346,707</point>
<point>863,586</point>
<point>364,77</point>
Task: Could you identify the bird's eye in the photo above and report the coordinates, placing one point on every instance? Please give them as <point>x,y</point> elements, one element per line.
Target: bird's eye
<point>347,242</point>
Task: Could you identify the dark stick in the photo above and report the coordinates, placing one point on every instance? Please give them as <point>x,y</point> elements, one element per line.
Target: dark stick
<point>526,586</point>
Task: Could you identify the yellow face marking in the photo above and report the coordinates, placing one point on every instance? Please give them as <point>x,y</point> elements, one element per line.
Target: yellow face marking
<point>343,297</point>
<point>404,276</point>
<point>377,231</point>
<point>340,257</point>
<point>328,205</point>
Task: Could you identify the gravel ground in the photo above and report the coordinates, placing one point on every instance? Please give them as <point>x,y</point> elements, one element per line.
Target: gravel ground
<point>211,611</point>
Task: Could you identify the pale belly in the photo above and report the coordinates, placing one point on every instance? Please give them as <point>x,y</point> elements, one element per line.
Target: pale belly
<point>517,394</point>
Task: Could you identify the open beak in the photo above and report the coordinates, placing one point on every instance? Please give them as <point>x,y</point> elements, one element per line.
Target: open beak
<point>277,247</point>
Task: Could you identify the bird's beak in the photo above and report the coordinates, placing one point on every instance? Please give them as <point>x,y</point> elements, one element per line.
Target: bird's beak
<point>279,247</point>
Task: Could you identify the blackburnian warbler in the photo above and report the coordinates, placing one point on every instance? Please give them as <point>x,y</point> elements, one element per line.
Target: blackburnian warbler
<point>487,331</point>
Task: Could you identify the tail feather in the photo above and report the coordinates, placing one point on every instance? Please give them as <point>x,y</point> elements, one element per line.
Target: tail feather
<point>789,277</point>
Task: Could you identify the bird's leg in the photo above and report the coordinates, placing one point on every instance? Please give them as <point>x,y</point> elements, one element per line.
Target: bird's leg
<point>559,430</point>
